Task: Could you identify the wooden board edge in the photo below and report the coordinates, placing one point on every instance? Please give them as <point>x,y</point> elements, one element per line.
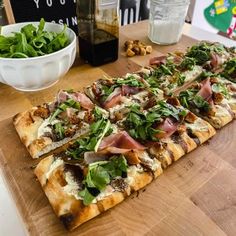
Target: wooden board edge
<point>18,200</point>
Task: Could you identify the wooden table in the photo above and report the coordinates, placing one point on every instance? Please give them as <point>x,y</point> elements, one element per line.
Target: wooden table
<point>195,196</point>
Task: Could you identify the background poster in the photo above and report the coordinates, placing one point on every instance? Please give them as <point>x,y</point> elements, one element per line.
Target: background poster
<point>221,14</point>
<point>205,17</point>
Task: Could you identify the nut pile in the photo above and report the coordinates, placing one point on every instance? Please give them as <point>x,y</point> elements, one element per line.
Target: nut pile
<point>135,47</point>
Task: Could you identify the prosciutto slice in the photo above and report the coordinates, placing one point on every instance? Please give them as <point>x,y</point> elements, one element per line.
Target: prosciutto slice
<point>205,92</point>
<point>119,143</point>
<point>62,96</point>
<point>167,128</point>
<point>84,101</point>
<point>215,60</point>
<point>157,60</point>
<point>128,90</point>
<point>113,99</point>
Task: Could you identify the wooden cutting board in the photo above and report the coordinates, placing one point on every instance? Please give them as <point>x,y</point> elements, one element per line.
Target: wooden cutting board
<point>195,196</point>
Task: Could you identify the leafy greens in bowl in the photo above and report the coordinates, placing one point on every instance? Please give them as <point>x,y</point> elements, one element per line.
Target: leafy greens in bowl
<point>32,41</point>
<point>36,54</point>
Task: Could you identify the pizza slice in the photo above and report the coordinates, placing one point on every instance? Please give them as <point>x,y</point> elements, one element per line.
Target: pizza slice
<point>210,100</point>
<point>211,56</point>
<point>47,127</point>
<point>168,130</point>
<point>84,181</point>
<point>173,71</point>
<point>117,94</point>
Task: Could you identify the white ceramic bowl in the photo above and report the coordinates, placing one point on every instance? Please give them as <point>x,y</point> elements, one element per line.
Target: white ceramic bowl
<point>36,73</point>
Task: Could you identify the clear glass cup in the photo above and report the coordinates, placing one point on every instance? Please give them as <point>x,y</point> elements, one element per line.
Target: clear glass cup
<point>166,20</point>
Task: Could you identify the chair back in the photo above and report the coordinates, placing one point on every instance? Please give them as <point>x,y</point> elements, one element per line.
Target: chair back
<point>129,5</point>
<point>143,10</point>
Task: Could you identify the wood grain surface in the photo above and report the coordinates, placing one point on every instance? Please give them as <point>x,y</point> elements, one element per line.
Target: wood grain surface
<point>195,196</point>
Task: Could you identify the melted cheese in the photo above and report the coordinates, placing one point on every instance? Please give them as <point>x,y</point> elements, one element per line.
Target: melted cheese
<point>43,128</point>
<point>142,97</point>
<point>198,125</point>
<point>192,74</point>
<point>221,111</point>
<point>72,187</point>
<point>53,166</point>
<point>132,171</point>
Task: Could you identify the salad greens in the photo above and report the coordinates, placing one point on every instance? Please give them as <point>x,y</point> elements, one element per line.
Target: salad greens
<point>142,126</point>
<point>32,42</point>
<point>230,70</point>
<point>100,175</point>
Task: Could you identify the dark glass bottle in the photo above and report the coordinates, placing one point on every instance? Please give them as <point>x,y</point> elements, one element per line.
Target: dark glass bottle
<point>98,30</point>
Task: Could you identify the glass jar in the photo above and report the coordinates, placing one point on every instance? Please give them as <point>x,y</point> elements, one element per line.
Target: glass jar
<point>166,20</point>
<point>98,26</point>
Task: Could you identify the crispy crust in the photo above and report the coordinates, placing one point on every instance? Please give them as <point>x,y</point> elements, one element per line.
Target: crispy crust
<point>27,125</point>
<point>172,149</point>
<point>220,119</point>
<point>71,211</point>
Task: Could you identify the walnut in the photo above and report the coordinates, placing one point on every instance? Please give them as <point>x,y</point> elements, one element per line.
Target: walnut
<point>143,52</point>
<point>136,47</point>
<point>148,49</point>
<point>130,53</point>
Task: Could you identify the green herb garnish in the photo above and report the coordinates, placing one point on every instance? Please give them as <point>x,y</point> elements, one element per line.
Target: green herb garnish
<point>100,175</point>
<point>142,126</point>
<point>32,42</point>
<point>63,106</point>
<point>189,97</point>
<point>230,70</point>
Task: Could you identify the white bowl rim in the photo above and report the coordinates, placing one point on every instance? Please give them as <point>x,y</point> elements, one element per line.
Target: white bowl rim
<point>44,56</point>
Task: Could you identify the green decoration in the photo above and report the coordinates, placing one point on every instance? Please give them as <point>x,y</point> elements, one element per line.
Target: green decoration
<point>221,14</point>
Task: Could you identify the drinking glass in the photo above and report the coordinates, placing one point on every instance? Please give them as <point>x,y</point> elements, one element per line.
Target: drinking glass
<point>166,20</point>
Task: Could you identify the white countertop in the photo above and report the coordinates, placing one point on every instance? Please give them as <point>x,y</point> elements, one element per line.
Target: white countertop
<point>11,223</point>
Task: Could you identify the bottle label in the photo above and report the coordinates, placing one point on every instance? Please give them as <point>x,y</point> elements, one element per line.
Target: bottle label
<point>107,4</point>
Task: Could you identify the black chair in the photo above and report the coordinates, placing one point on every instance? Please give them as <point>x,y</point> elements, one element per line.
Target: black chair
<point>127,5</point>
<point>143,10</point>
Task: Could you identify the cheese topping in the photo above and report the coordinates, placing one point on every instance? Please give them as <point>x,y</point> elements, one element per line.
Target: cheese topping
<point>221,111</point>
<point>72,187</point>
<point>43,128</point>
<point>198,125</point>
<point>53,166</point>
<point>192,74</point>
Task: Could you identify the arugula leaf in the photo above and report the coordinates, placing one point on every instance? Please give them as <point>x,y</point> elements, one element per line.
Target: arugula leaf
<point>220,88</point>
<point>142,126</point>
<point>230,70</point>
<point>201,53</point>
<point>130,80</point>
<point>189,98</point>
<point>188,63</point>
<point>100,175</point>
<point>201,103</point>
<point>59,130</point>
<point>98,130</point>
<point>63,106</point>
<point>181,79</point>
<point>32,42</point>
